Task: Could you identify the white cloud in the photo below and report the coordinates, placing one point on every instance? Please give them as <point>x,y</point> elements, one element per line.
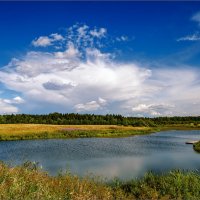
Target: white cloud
<point>98,33</point>
<point>82,30</point>
<point>102,101</point>
<point>83,36</point>
<point>16,100</point>
<point>93,53</point>
<point>72,81</point>
<point>196,17</point>
<point>193,37</point>
<point>70,53</point>
<point>56,37</point>
<point>44,41</point>
<point>141,107</point>
<point>89,80</point>
<point>153,109</point>
<point>122,38</point>
<point>7,107</point>
<point>91,106</point>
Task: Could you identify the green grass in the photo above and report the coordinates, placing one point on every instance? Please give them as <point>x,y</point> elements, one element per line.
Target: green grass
<point>173,185</point>
<point>196,147</point>
<point>27,182</point>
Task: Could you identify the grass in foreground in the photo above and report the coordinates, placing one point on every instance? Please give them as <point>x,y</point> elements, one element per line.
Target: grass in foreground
<point>26,182</point>
<point>196,147</point>
<point>42,131</point>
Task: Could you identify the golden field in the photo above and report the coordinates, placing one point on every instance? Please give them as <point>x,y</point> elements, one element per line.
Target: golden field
<point>38,128</point>
<point>44,131</point>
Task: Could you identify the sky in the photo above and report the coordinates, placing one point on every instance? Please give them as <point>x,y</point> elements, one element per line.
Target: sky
<point>128,58</point>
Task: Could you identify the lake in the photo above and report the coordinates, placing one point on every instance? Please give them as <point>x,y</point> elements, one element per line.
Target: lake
<point>124,158</point>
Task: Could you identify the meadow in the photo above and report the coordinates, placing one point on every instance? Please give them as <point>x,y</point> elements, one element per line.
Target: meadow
<point>48,131</point>
<point>44,131</point>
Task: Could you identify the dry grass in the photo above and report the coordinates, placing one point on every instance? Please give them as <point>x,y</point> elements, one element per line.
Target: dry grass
<point>40,131</point>
<point>27,183</point>
<point>38,128</point>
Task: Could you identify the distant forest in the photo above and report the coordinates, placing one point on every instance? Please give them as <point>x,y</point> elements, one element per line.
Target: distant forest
<point>91,119</point>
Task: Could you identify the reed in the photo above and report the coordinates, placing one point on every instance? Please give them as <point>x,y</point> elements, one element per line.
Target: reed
<point>27,182</point>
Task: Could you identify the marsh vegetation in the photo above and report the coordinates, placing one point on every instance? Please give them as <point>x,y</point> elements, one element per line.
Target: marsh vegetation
<point>15,184</point>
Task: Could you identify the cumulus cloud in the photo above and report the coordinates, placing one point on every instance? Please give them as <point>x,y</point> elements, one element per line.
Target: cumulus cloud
<point>56,37</point>
<point>153,109</point>
<point>91,106</point>
<point>44,41</point>
<point>78,79</point>
<point>8,106</point>
<point>72,80</point>
<point>15,100</point>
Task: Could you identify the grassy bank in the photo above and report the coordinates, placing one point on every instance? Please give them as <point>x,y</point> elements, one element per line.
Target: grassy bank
<point>27,182</point>
<point>196,147</point>
<point>42,131</point>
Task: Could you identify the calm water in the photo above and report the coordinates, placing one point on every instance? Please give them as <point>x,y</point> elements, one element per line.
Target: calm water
<point>110,157</point>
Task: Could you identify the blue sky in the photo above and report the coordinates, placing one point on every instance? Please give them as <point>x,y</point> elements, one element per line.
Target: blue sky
<point>131,58</point>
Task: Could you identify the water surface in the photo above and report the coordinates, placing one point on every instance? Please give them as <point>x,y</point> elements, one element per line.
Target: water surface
<point>109,157</point>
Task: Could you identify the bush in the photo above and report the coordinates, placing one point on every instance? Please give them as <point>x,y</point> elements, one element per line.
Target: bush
<point>196,147</point>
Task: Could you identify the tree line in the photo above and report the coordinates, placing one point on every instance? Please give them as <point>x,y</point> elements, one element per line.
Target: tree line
<point>91,119</point>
